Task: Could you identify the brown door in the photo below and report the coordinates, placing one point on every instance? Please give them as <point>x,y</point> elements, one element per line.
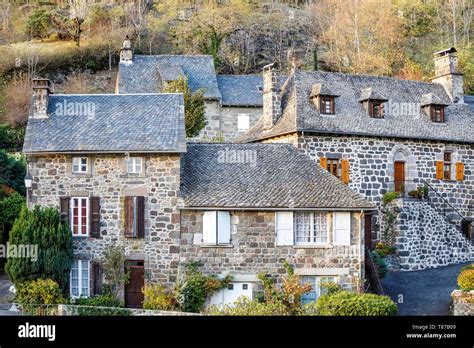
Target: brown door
<point>133,289</point>
<point>399,176</point>
<point>368,231</point>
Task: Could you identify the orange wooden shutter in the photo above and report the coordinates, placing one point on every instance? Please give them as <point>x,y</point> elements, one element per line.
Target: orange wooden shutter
<point>323,161</point>
<point>459,171</point>
<point>439,170</point>
<point>345,171</point>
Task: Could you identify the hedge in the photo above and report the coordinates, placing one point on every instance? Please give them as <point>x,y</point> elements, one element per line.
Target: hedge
<point>466,279</point>
<point>352,304</point>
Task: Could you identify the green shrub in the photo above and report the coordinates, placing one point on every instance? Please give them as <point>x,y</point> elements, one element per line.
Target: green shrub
<point>10,208</point>
<point>106,300</point>
<point>389,197</point>
<point>310,309</point>
<point>41,227</point>
<point>158,298</point>
<point>466,279</point>
<point>471,266</point>
<point>39,297</point>
<point>12,172</point>
<point>345,303</point>
<point>11,139</point>
<point>330,288</point>
<point>38,23</point>
<point>101,305</point>
<point>243,306</point>
<point>383,249</point>
<point>380,263</point>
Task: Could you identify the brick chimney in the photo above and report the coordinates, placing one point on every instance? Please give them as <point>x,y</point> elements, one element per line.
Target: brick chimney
<point>447,74</point>
<point>126,53</point>
<point>42,88</point>
<point>271,96</point>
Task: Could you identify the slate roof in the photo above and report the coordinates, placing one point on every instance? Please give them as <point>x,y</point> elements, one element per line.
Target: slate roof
<point>144,74</point>
<point>267,176</point>
<point>117,123</point>
<point>300,114</point>
<point>241,90</point>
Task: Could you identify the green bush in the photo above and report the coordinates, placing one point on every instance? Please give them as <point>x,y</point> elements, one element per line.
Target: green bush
<point>466,279</point>
<point>389,197</point>
<point>40,291</point>
<point>41,227</point>
<point>345,303</point>
<point>243,306</point>
<point>471,266</point>
<point>11,139</point>
<point>380,262</point>
<point>10,208</point>
<point>330,288</point>
<point>38,23</point>
<point>158,298</point>
<point>105,304</point>
<point>12,172</point>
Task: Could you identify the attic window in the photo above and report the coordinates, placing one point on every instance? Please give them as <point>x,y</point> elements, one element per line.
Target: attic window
<point>437,113</point>
<point>326,105</point>
<point>376,109</point>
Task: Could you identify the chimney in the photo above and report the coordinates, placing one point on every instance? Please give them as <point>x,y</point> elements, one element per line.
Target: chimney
<point>271,96</point>
<point>447,74</point>
<point>41,90</point>
<point>126,53</point>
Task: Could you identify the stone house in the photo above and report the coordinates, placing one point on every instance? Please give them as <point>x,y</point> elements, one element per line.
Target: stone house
<point>119,169</point>
<point>379,134</point>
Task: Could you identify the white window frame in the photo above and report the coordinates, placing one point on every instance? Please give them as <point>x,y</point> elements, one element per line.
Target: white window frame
<point>77,165</point>
<point>325,216</point>
<point>336,228</point>
<point>80,267</point>
<point>222,220</point>
<point>79,216</point>
<point>131,163</point>
<point>243,122</point>
<point>318,280</point>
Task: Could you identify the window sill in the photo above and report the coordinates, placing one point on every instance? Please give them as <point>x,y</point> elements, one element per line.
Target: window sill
<point>81,175</point>
<point>326,246</point>
<point>217,246</point>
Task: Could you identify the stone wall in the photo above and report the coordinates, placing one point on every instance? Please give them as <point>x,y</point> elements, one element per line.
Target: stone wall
<point>463,302</point>
<point>425,239</point>
<point>229,119</point>
<point>253,250</point>
<point>107,179</point>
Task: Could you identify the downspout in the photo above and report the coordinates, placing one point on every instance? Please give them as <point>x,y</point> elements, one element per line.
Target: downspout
<point>362,249</point>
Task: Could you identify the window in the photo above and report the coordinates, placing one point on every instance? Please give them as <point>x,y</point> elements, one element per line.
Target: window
<point>216,228</point>
<point>311,228</point>
<point>134,165</point>
<point>447,163</point>
<point>316,290</point>
<point>80,216</point>
<point>79,164</point>
<point>342,228</point>
<point>326,105</point>
<point>134,217</point>
<point>80,278</point>
<point>243,122</point>
<point>333,166</point>
<point>437,113</point>
<point>376,109</point>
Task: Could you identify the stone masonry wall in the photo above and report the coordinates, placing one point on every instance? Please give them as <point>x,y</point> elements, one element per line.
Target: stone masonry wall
<point>463,302</point>
<point>229,120</point>
<point>159,183</point>
<point>253,249</point>
<point>426,239</point>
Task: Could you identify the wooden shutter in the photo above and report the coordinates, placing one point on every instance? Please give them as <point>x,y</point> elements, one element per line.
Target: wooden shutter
<point>128,207</point>
<point>94,217</point>
<point>284,228</point>
<point>223,227</point>
<point>96,278</point>
<point>459,171</point>
<point>342,228</point>
<point>439,170</point>
<point>323,161</point>
<point>345,170</point>
<point>64,208</point>
<point>209,227</point>
<point>141,217</point>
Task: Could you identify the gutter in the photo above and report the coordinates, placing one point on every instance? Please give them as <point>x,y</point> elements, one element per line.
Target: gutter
<point>278,209</point>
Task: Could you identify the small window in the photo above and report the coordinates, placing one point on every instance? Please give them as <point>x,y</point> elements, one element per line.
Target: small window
<point>326,105</point>
<point>134,216</point>
<point>437,113</point>
<point>311,228</point>
<point>79,216</point>
<point>245,286</point>
<point>376,109</point>
<point>79,164</point>
<point>243,122</point>
<point>134,165</point>
<point>216,228</point>
<point>79,278</point>
<point>230,287</point>
<point>447,165</point>
<point>317,290</point>
<point>333,166</point>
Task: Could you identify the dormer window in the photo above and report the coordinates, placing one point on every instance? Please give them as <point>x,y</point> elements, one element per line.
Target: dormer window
<point>376,109</point>
<point>437,113</point>
<point>326,105</point>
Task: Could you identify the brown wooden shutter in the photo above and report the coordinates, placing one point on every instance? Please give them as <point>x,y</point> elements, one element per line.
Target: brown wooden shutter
<point>95,217</point>
<point>96,278</point>
<point>459,171</point>
<point>323,161</point>
<point>128,216</point>
<point>439,170</point>
<point>141,217</point>
<point>64,208</point>
<point>345,170</point>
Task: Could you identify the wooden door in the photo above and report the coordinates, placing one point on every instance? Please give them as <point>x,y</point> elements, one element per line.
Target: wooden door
<point>399,176</point>
<point>368,231</point>
<point>133,289</point>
